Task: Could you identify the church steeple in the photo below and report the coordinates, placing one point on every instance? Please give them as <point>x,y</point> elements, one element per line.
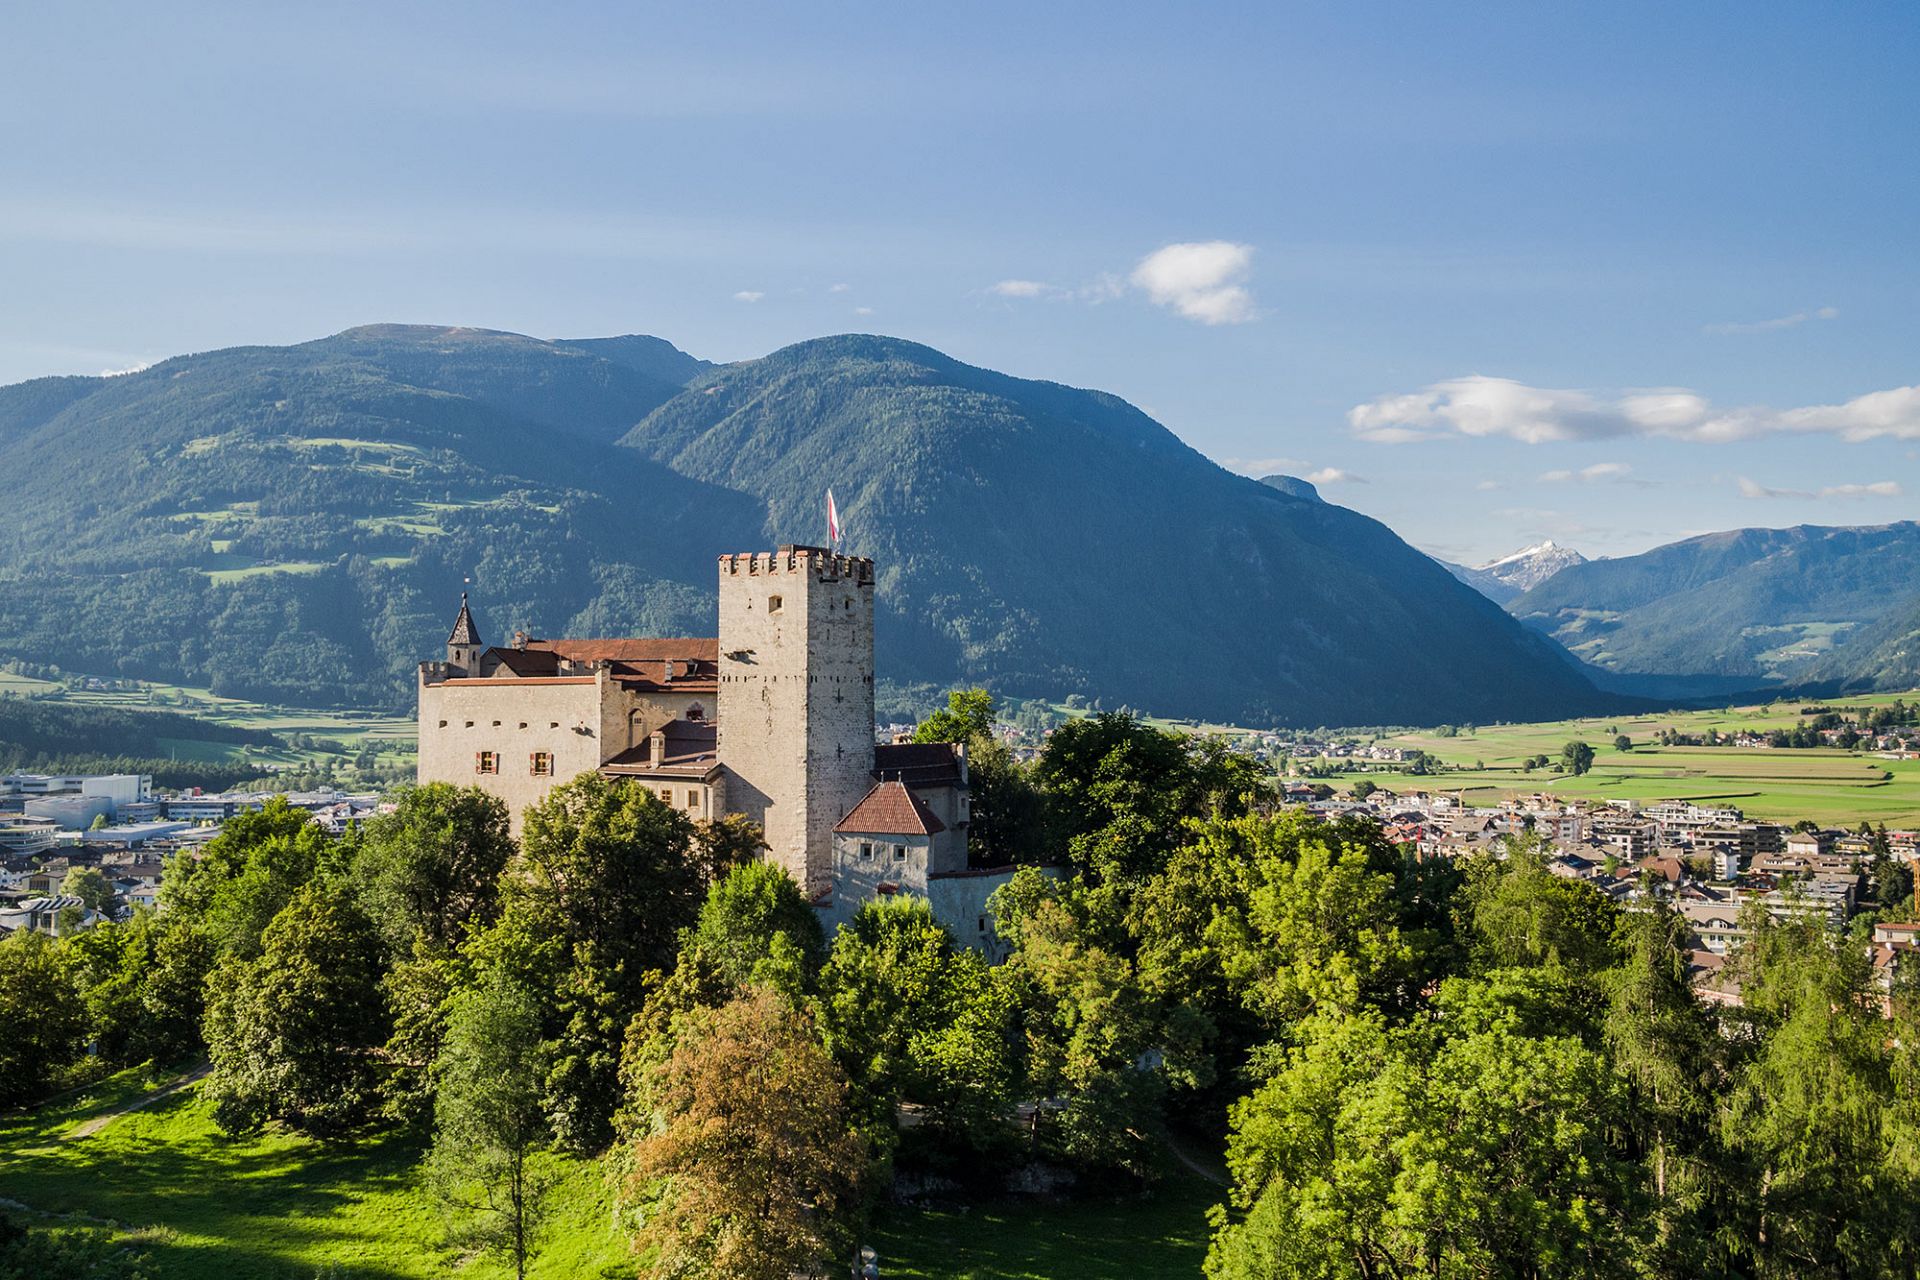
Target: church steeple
<point>463,644</point>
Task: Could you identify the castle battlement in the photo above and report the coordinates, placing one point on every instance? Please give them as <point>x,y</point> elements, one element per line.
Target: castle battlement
<point>818,561</point>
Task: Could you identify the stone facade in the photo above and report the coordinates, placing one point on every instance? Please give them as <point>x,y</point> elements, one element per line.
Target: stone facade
<point>796,699</point>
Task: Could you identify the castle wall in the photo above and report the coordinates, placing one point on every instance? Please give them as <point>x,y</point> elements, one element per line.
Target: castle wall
<point>566,718</point>
<point>796,699</point>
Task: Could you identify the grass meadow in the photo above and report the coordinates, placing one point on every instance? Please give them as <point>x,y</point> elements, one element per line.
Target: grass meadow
<point>1828,786</point>
<point>276,1207</point>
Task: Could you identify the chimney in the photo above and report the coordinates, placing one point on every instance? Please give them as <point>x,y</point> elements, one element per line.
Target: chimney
<point>657,745</point>
<point>520,639</point>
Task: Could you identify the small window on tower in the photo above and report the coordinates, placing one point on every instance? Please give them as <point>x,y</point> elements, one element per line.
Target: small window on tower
<point>487,762</point>
<point>540,765</point>
<point>773,604</point>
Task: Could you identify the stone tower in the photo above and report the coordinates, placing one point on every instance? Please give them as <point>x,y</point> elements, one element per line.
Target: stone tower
<point>796,698</point>
<point>463,642</point>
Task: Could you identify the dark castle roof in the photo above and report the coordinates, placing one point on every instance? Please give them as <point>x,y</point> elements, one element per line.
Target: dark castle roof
<point>465,629</point>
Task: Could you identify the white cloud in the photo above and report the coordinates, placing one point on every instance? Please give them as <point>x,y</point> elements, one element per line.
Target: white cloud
<point>748,295</point>
<point>121,373</point>
<point>1022,289</point>
<point>863,311</point>
<point>1594,474</point>
<point>1203,281</point>
<point>1477,405</point>
<point>1875,489</point>
<point>838,288</point>
<point>1778,322</point>
<point>1334,475</point>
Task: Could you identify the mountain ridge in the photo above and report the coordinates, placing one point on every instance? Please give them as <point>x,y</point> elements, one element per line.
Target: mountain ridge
<point>293,522</point>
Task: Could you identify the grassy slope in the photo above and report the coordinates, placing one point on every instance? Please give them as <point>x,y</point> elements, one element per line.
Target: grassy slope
<point>274,1207</point>
<point>1826,786</point>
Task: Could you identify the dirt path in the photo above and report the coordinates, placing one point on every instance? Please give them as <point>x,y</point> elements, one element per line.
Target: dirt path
<point>1215,1176</point>
<point>101,1121</point>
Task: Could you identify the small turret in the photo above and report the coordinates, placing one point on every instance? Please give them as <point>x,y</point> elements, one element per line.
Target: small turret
<point>463,644</point>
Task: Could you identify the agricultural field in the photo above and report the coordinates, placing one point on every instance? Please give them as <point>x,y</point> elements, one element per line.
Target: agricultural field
<point>274,1207</point>
<point>311,737</point>
<point>1831,787</point>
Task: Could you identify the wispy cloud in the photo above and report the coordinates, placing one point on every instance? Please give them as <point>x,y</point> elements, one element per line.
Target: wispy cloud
<point>749,295</point>
<point>1793,321</point>
<point>1595,474</point>
<point>1334,475</point>
<point>863,311</point>
<point>1873,489</point>
<point>1501,407</point>
<point>1023,289</point>
<point>1204,281</point>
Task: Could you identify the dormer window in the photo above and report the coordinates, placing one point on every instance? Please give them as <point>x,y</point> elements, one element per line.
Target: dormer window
<point>696,713</point>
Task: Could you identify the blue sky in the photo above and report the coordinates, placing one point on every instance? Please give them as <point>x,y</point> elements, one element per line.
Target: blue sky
<point>1611,274</point>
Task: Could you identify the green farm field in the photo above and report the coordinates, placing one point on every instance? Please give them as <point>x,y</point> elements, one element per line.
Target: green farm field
<point>346,733</point>
<point>273,1207</point>
<point>1828,786</point>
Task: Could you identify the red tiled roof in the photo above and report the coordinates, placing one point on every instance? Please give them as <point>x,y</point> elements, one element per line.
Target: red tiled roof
<point>891,810</point>
<point>687,665</point>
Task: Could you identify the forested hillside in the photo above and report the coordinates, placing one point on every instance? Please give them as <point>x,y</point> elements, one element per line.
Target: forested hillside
<point>294,524</point>
<point>1046,538</point>
<point>1760,603</point>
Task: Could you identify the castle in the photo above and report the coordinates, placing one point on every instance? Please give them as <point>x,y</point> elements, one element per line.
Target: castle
<point>773,719</point>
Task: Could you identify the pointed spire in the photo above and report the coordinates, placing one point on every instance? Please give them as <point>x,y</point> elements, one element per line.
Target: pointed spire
<point>465,630</point>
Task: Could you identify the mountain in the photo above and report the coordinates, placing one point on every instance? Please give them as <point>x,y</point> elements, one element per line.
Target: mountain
<point>1749,604</point>
<point>1879,655</point>
<point>293,524</point>
<point>1293,487</point>
<point>1510,576</point>
<point>1046,538</point>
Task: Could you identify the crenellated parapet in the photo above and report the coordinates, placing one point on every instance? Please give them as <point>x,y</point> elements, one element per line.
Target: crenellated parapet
<point>818,561</point>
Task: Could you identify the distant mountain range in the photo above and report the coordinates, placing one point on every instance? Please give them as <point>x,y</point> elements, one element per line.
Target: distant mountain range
<point>1745,608</point>
<point>1510,576</point>
<point>295,523</point>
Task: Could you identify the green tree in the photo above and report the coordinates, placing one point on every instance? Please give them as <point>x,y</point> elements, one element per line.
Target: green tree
<point>1667,1052</point>
<point>749,1164</point>
<point>723,843</point>
<point>756,926</point>
<point>1364,788</point>
<point>969,714</point>
<point>1460,1149</point>
<point>1622,742</point>
<point>609,864</point>
<point>606,881</point>
<point>247,874</point>
<point>44,1014</point>
<point>490,1125</point>
<point>912,1018</point>
<point>91,886</point>
<point>1808,1109</point>
<point>293,1033</point>
<point>431,867</point>
<point>1576,758</point>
